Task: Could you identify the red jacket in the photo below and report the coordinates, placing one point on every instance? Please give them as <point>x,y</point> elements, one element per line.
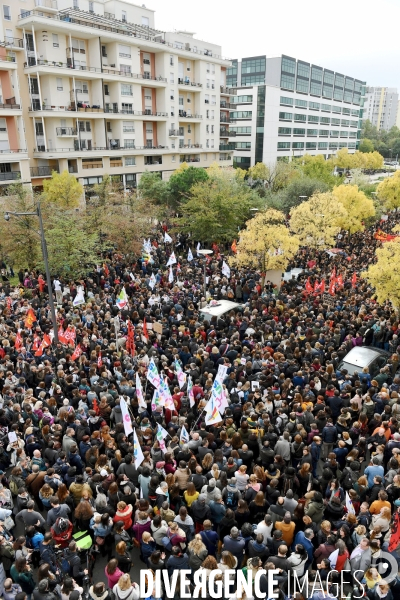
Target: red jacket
<point>125,516</point>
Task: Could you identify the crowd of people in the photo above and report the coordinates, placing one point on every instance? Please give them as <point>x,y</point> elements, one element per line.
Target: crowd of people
<point>301,474</point>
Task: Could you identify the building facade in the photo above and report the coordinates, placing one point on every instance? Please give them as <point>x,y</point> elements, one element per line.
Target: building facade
<point>283,107</point>
<point>381,106</point>
<point>105,92</point>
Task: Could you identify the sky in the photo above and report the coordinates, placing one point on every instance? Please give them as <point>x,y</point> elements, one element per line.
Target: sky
<point>358,38</point>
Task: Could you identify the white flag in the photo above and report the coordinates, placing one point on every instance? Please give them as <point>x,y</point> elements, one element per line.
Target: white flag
<point>152,281</point>
<point>225,269</point>
<point>222,369</point>
<point>212,415</point>
<point>139,393</point>
<point>161,432</point>
<point>349,505</point>
<point>126,418</point>
<point>184,438</point>
<point>198,247</point>
<point>167,238</point>
<point>137,451</point>
<point>171,275</point>
<point>172,260</point>
<point>80,296</point>
<point>190,255</point>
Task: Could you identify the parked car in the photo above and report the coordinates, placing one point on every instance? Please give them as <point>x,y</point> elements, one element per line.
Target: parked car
<point>364,356</point>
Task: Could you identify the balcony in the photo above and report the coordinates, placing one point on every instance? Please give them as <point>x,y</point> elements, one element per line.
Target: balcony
<point>66,108</point>
<point>224,147</point>
<point>66,131</point>
<point>226,105</point>
<point>70,65</point>
<point>94,165</point>
<point>17,151</point>
<point>50,5</point>
<point>43,171</point>
<point>189,160</point>
<point>224,90</point>
<point>12,42</point>
<point>227,133</point>
<point>11,175</point>
<point>225,158</point>
<point>224,119</point>
<point>175,132</point>
<point>186,146</point>
<point>114,146</point>
<point>136,113</point>
<point>183,114</point>
<point>186,81</point>
<point>10,104</point>
<point>8,59</point>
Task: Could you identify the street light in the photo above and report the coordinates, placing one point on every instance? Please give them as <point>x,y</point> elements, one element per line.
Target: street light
<point>38,213</point>
<point>204,252</point>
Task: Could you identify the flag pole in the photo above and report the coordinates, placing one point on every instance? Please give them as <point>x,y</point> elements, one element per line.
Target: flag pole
<point>197,420</point>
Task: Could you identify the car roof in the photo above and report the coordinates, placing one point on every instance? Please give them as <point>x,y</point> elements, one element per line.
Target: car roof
<point>363,355</point>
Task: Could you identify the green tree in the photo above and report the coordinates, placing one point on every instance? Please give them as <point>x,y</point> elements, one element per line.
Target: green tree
<point>266,243</point>
<point>154,189</point>
<point>63,190</point>
<point>316,222</point>
<point>20,240</point>
<point>182,180</point>
<point>217,208</point>
<point>366,145</point>
<point>301,189</point>
<point>316,167</point>
<point>71,249</point>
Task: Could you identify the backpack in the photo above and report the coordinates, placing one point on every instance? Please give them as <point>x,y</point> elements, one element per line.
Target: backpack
<point>66,566</point>
<point>231,500</point>
<point>13,487</point>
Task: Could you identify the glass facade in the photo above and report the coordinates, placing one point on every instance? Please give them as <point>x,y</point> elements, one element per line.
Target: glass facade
<point>253,70</point>
<point>260,123</point>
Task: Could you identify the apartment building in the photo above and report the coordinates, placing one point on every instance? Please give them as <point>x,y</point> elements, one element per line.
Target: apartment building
<point>380,107</point>
<point>105,92</point>
<point>283,108</point>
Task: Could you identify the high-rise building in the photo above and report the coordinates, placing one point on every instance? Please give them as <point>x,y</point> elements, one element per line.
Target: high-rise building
<point>94,88</point>
<point>380,107</point>
<point>283,107</point>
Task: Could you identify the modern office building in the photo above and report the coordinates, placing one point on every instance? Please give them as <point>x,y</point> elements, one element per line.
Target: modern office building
<point>283,107</point>
<point>380,107</point>
<point>93,87</point>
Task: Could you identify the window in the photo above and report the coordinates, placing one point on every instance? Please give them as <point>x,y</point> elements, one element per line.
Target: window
<point>298,145</point>
<point>126,108</point>
<point>171,60</point>
<point>301,103</point>
<point>126,89</point>
<point>316,73</point>
<point>303,70</point>
<point>171,78</point>
<point>59,84</point>
<point>283,146</point>
<point>299,131</point>
<point>241,130</point>
<point>327,92</point>
<point>344,134</point>
<point>323,132</point>
<point>3,126</point>
<point>322,145</point>
<point>129,143</point>
<point>55,40</point>
<point>284,130</point>
<point>76,4</point>
<point>125,68</point>
<point>336,109</point>
<point>284,100</point>
<point>287,82</point>
<point>212,129</point>
<point>253,65</point>
<point>326,107</point>
<point>345,123</point>
<point>124,51</point>
<point>130,161</point>
<point>335,121</point>
<point>106,90</point>
<point>87,126</point>
<point>300,118</point>
<point>128,127</point>
<point>312,132</point>
<point>91,7</point>
<point>315,89</point>
<point>334,133</point>
<point>288,65</point>
<point>325,121</point>
<point>213,100</point>
<point>242,114</point>
<point>345,111</point>
<point>302,86</point>
<point>104,51</point>
<point>6,12</point>
<point>212,114</point>
<point>314,105</point>
<point>311,145</point>
<point>313,119</point>
<point>243,146</point>
<point>284,116</point>
<point>145,21</point>
<point>124,16</point>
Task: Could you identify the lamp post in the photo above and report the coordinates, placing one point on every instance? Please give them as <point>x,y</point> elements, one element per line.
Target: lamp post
<point>204,252</point>
<point>38,213</point>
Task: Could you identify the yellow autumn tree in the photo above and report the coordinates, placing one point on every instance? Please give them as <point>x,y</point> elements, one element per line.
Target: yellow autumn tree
<point>259,171</point>
<point>357,205</point>
<point>266,243</point>
<point>343,159</point>
<point>317,221</point>
<point>63,190</point>
<point>358,160</point>
<point>383,276</point>
<point>389,191</point>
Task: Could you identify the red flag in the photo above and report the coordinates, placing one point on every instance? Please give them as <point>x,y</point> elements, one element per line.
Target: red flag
<point>215,248</point>
<point>339,280</point>
<point>30,318</point>
<point>234,246</point>
<point>130,342</point>
<point>322,287</point>
<point>18,341</point>
<point>99,361</point>
<point>36,343</point>
<point>39,351</point>
<point>46,341</point>
<point>178,268</point>
<point>333,274</point>
<point>145,333</point>
<point>76,353</point>
<point>106,269</point>
<point>70,336</point>
<point>309,287</point>
<point>354,280</point>
<point>9,302</point>
<point>316,287</point>
<point>61,337</point>
<point>331,288</point>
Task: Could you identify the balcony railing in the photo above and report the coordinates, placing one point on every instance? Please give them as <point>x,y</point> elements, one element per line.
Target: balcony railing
<point>224,119</point>
<point>225,158</point>
<point>223,89</point>
<point>11,42</point>
<point>184,115</point>
<point>43,171</point>
<point>10,175</point>
<point>223,147</point>
<point>19,150</point>
<point>47,4</point>
<point>102,148</point>
<point>60,65</point>
<point>10,104</point>
<point>226,105</point>
<point>138,113</point>
<point>7,59</point>
<point>227,133</point>
<point>189,160</point>
<point>189,83</point>
<point>78,17</point>
<point>67,131</point>
<point>176,132</point>
<point>185,146</point>
<point>52,108</point>
<point>98,165</point>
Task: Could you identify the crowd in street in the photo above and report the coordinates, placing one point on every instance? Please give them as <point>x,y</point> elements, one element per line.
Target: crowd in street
<point>300,474</point>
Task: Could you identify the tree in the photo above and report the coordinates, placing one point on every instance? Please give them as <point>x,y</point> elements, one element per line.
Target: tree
<point>344,160</point>
<point>384,276</point>
<point>182,180</point>
<point>275,176</point>
<point>316,167</point>
<point>20,242</point>
<point>62,190</point>
<point>153,189</point>
<point>266,243</point>
<point>71,249</point>
<point>217,207</point>
<point>374,160</point>
<point>389,191</point>
<point>366,145</point>
<point>316,222</point>
<point>358,207</point>
<point>294,194</point>
<point>259,171</point>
